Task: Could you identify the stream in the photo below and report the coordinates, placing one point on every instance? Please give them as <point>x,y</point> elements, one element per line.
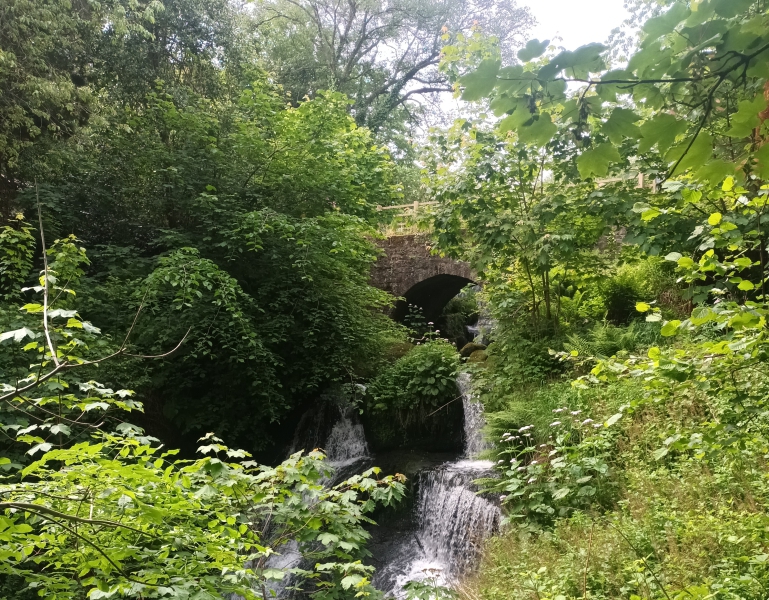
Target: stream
<point>440,532</point>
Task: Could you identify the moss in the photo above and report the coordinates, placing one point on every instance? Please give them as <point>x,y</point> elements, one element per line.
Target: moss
<point>479,356</point>
<point>469,348</point>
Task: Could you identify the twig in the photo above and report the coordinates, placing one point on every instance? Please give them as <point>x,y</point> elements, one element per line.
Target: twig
<point>45,280</point>
<point>32,507</point>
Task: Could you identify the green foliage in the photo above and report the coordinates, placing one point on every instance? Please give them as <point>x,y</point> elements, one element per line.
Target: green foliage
<point>94,508</point>
<point>428,589</point>
<point>461,311</point>
<point>384,57</point>
<point>666,497</point>
<point>422,380</point>
<point>605,339</point>
<point>17,247</point>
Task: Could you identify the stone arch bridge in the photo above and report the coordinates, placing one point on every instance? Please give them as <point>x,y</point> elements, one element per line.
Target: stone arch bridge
<point>408,269</point>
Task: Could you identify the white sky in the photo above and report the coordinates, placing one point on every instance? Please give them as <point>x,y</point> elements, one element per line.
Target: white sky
<point>578,22</point>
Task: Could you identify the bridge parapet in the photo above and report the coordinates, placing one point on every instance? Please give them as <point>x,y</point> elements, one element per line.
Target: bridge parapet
<point>408,269</point>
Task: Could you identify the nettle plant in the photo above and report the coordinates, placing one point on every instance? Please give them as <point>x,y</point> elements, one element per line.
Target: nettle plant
<point>94,508</point>
<point>570,471</point>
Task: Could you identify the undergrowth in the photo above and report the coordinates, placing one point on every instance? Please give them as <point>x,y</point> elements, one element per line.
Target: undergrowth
<point>601,504</point>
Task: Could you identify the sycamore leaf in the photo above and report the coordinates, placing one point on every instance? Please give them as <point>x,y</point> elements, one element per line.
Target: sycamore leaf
<point>621,124</point>
<point>690,153</point>
<point>480,82</point>
<point>715,171</point>
<point>533,49</point>
<point>17,334</point>
<point>746,118</point>
<point>665,23</point>
<point>539,132</point>
<point>661,131</point>
<point>596,160</point>
<point>350,581</point>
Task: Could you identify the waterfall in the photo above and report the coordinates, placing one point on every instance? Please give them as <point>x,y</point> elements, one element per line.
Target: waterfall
<point>443,536</point>
<point>332,425</point>
<point>474,419</point>
<point>452,521</point>
<point>347,442</point>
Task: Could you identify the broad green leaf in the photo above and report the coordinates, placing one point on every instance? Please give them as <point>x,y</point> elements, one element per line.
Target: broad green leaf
<point>503,104</point>
<point>661,130</point>
<point>670,328</point>
<point>701,315</point>
<point>533,49</point>
<point>674,256</point>
<point>691,153</point>
<point>746,285</point>
<point>621,124</point>
<point>642,307</point>
<point>714,171</point>
<point>715,218</point>
<point>746,118</point>
<point>480,82</point>
<point>613,419</point>
<point>665,23</point>
<point>539,132</point>
<point>596,161</point>
<point>761,157</point>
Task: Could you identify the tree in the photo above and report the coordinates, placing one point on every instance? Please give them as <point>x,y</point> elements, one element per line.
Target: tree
<point>384,55</point>
<point>94,508</point>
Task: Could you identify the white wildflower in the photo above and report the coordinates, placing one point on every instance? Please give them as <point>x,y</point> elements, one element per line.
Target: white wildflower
<point>555,424</point>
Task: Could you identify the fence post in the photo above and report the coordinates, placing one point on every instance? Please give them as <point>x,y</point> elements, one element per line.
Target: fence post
<point>416,207</point>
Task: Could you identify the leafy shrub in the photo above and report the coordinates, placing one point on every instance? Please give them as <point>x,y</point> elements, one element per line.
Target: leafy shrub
<point>423,378</point>
<point>644,280</point>
<point>568,472</point>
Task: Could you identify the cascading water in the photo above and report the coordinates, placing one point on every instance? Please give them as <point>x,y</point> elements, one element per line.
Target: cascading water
<point>332,425</point>
<point>347,442</point>
<point>474,419</point>
<point>442,538</point>
<point>452,520</point>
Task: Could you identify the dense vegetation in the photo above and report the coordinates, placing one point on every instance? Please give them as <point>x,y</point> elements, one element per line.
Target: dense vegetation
<point>188,193</point>
<point>645,476</point>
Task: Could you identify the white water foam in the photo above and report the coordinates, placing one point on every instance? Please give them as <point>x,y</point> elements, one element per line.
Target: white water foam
<point>474,419</point>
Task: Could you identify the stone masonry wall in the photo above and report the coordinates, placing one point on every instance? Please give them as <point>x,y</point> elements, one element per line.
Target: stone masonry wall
<point>407,261</point>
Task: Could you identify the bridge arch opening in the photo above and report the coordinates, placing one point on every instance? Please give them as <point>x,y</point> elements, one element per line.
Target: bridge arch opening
<point>431,295</point>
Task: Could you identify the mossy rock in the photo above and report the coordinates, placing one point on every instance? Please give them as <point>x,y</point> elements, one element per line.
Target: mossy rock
<point>468,349</point>
<point>398,350</point>
<point>478,356</point>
